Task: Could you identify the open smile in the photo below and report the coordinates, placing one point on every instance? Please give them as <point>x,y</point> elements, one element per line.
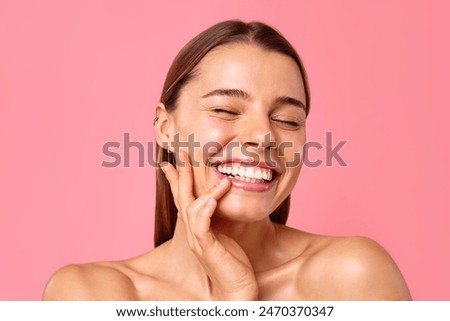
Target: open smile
<point>254,177</point>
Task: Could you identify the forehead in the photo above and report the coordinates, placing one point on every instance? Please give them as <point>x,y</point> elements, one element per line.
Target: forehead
<point>248,67</point>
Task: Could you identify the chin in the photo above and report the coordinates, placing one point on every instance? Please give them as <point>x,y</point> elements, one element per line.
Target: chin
<point>244,209</point>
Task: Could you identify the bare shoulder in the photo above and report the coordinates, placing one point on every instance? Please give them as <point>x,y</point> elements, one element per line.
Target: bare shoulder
<point>352,268</point>
<point>92,281</point>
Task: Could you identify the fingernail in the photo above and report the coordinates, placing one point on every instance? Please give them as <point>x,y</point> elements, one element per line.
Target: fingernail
<point>222,182</point>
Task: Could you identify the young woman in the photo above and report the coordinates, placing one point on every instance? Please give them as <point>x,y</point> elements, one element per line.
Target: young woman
<point>230,128</point>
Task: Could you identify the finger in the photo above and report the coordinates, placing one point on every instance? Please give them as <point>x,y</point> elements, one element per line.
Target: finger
<point>185,184</point>
<point>186,179</point>
<point>190,219</point>
<point>200,212</point>
<point>194,212</point>
<point>202,228</point>
<point>199,204</point>
<point>172,177</point>
<point>218,191</point>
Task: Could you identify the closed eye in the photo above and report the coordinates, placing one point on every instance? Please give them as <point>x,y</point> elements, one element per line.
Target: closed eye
<point>225,111</point>
<point>288,124</point>
<point>291,123</point>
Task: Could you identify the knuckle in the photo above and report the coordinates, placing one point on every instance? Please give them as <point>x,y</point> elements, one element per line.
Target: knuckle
<point>189,210</point>
<point>198,234</point>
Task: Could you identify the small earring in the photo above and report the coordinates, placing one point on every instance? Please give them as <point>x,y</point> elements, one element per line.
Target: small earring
<point>155,120</point>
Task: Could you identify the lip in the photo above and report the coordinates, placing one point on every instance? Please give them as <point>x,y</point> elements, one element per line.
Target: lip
<point>246,186</point>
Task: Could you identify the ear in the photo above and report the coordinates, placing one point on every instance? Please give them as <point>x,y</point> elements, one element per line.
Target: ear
<point>163,126</point>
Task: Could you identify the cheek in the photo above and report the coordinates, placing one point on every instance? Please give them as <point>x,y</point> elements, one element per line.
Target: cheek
<point>197,134</point>
<point>210,137</point>
<point>213,135</point>
<point>291,150</point>
<point>207,139</point>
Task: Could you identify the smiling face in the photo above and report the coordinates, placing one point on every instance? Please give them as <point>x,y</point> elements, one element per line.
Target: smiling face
<point>247,101</point>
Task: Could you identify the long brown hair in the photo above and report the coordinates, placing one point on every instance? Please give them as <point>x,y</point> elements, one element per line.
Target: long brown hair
<point>181,71</point>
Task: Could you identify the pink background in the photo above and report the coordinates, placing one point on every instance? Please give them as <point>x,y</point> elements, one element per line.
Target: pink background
<point>76,74</point>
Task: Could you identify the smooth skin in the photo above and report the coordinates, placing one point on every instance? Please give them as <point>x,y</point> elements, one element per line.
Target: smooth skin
<point>224,246</point>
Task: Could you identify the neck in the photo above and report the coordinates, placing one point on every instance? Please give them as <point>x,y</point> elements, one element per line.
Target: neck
<point>257,239</point>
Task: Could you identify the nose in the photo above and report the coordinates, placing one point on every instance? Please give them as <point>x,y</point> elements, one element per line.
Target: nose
<point>257,133</point>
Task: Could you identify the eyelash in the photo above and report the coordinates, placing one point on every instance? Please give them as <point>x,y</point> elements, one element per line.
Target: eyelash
<point>226,111</point>
<point>288,122</point>
<point>292,124</point>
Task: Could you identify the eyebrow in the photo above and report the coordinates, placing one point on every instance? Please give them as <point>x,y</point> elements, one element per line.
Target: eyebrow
<point>238,93</point>
<point>286,100</point>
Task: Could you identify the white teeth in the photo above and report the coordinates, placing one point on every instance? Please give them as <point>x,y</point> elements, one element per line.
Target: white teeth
<point>258,173</point>
<point>250,172</point>
<point>246,173</point>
